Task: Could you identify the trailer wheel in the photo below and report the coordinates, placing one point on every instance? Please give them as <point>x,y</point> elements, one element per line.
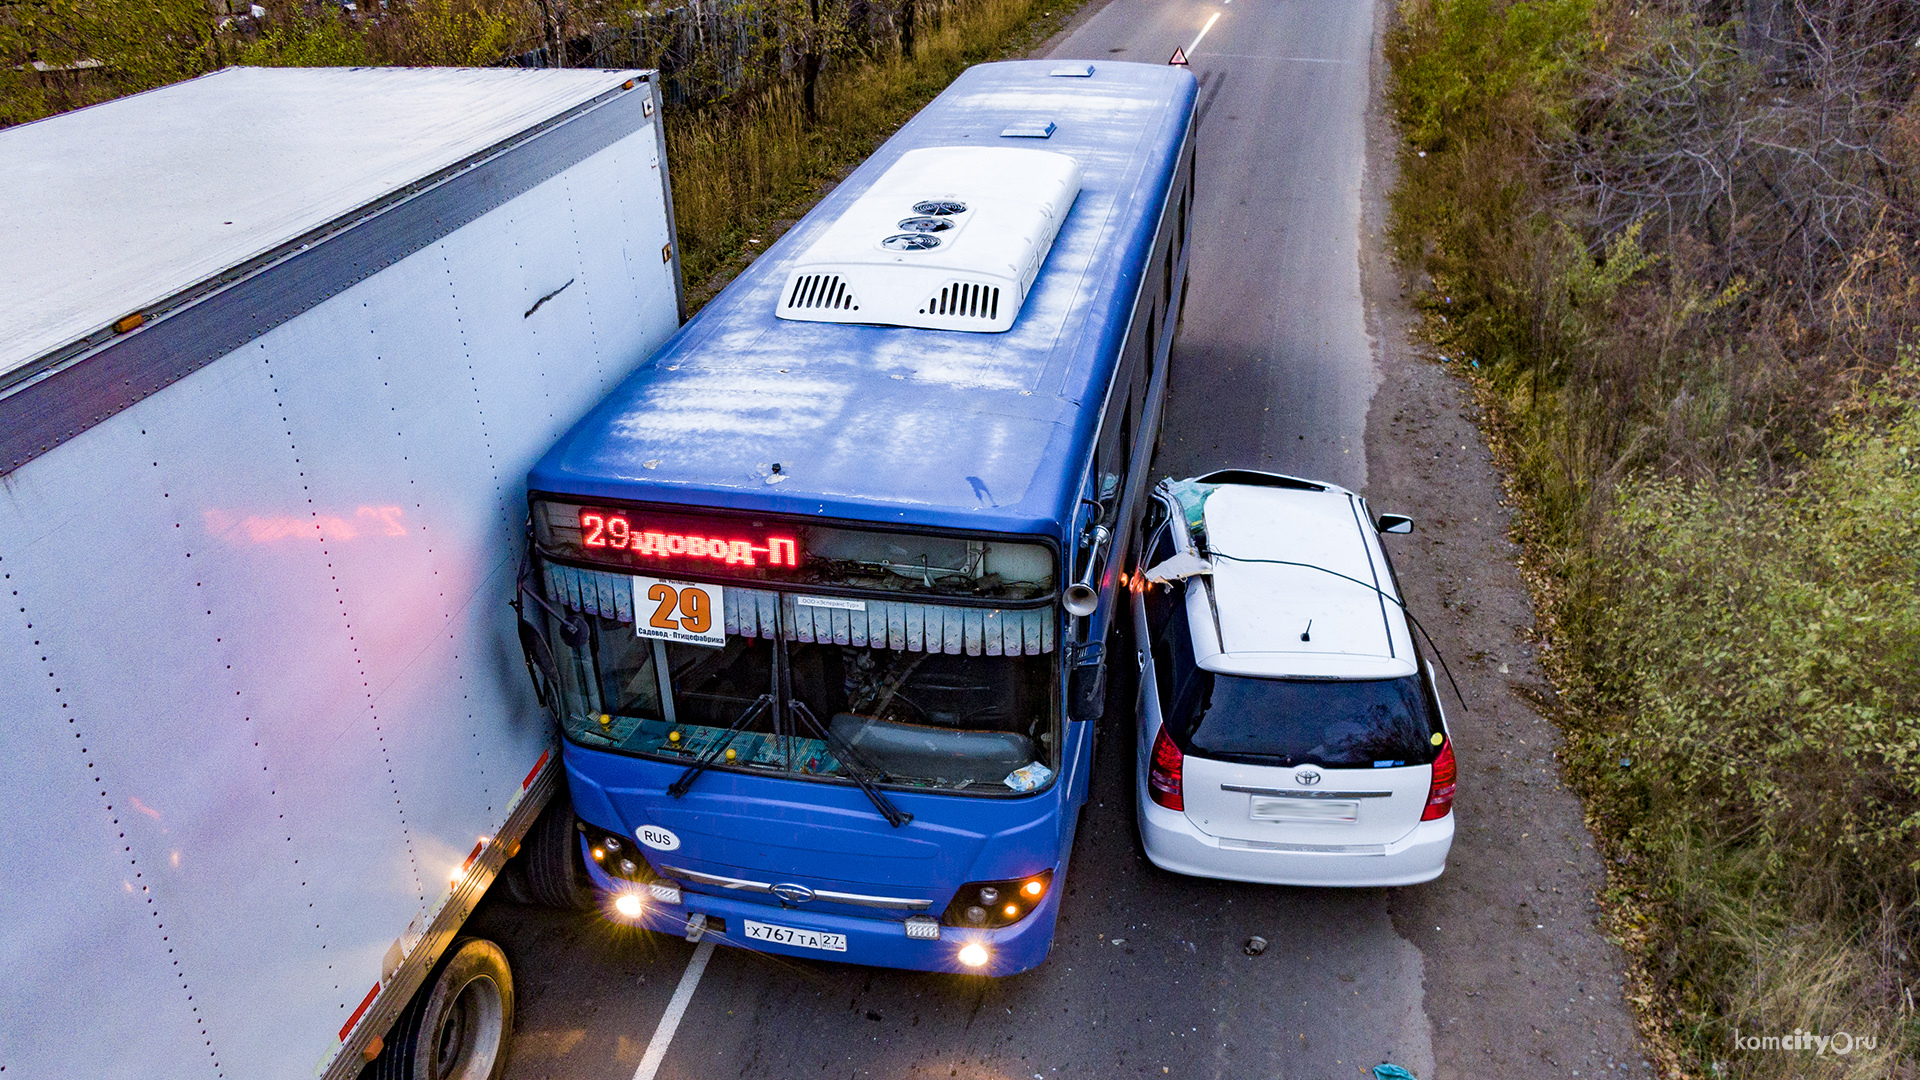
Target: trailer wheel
<point>459,1026</point>
<point>553,872</point>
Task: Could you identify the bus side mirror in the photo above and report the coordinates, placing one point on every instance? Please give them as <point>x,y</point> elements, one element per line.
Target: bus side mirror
<point>1394,523</point>
<point>541,667</point>
<point>1087,684</point>
<point>540,664</point>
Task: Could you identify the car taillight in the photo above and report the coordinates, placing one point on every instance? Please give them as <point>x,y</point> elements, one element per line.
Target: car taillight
<point>1440,793</point>
<point>1163,778</point>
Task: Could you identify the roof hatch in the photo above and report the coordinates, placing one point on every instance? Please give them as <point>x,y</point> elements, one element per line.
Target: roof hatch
<point>949,238</point>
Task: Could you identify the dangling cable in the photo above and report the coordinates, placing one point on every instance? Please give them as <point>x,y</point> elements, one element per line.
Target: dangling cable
<point>1401,604</point>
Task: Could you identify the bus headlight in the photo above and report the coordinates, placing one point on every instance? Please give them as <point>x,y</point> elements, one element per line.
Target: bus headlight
<point>974,955</point>
<point>628,905</point>
<point>988,905</point>
<point>616,855</point>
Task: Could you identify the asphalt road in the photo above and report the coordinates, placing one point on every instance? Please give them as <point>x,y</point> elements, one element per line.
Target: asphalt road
<point>1274,312</point>
<point>1274,368</point>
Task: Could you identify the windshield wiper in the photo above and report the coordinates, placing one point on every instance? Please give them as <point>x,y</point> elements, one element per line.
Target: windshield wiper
<point>856,770</point>
<point>705,761</point>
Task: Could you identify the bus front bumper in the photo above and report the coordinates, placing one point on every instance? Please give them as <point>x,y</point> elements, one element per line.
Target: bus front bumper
<point>879,942</point>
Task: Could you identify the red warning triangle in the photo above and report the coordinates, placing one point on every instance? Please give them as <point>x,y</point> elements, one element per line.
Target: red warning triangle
<point>1179,56</point>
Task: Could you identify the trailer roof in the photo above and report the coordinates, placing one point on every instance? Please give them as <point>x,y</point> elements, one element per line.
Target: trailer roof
<point>942,428</point>
<point>115,208</point>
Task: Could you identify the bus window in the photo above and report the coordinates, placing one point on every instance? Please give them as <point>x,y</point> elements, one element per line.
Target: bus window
<point>904,693</point>
<point>614,697</point>
<point>929,719</point>
<point>1180,220</point>
<point>896,562</point>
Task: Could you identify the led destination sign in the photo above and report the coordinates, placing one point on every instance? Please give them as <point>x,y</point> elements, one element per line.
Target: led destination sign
<point>669,543</point>
<point>599,529</point>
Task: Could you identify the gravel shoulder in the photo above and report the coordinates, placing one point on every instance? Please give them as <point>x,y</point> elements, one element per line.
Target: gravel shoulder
<point>1520,979</point>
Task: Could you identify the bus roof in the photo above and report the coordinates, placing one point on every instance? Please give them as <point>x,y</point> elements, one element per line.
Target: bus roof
<point>937,428</point>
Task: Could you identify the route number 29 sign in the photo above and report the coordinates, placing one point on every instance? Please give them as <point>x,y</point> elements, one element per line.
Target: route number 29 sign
<point>680,611</point>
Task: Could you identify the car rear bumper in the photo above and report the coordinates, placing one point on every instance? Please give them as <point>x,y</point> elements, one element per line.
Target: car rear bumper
<point>878,942</point>
<point>1173,843</point>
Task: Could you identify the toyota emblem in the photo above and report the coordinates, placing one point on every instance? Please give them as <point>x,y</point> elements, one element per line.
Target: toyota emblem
<point>791,893</point>
<point>1306,778</point>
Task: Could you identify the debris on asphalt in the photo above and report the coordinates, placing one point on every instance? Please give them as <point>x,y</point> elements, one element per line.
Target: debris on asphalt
<point>1386,1071</point>
<point>1255,945</point>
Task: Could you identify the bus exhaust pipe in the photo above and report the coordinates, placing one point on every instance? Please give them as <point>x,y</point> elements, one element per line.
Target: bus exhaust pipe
<point>1081,597</point>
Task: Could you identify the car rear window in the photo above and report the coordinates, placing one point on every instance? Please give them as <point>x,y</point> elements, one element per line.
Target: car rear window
<point>1376,723</point>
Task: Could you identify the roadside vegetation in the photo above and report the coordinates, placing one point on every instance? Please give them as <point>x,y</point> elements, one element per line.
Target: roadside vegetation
<point>767,99</point>
<point>1674,246</point>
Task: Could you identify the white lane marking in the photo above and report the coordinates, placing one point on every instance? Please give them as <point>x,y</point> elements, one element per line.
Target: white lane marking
<point>1203,33</point>
<point>677,1008</point>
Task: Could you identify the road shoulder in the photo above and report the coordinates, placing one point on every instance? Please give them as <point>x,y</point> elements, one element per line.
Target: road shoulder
<point>1519,974</point>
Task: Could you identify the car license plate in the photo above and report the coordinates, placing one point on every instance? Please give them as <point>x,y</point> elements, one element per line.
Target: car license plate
<point>1318,810</point>
<point>787,935</point>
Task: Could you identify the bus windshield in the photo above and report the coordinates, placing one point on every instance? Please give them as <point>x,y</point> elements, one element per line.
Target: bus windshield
<point>895,692</point>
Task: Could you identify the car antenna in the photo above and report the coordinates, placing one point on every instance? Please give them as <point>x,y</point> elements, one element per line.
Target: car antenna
<point>1307,634</point>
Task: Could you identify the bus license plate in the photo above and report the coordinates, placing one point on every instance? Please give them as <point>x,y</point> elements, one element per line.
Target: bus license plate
<point>787,935</point>
<point>1305,810</point>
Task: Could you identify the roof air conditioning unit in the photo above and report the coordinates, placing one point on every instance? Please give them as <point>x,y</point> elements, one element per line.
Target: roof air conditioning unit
<point>949,238</point>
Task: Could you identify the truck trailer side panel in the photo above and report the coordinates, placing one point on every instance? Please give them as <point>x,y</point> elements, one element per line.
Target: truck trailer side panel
<point>267,713</point>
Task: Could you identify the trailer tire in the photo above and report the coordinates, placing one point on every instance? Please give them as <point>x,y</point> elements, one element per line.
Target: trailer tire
<point>459,1026</point>
<point>552,870</point>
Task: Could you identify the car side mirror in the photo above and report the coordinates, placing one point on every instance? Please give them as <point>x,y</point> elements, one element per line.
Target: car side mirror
<point>1394,523</point>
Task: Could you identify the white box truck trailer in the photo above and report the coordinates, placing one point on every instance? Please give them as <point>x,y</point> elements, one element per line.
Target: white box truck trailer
<point>277,349</point>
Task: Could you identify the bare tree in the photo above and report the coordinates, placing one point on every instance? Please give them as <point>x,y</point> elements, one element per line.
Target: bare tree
<point>1768,138</point>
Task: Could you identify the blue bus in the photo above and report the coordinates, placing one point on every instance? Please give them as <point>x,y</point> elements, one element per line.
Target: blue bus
<point>820,593</point>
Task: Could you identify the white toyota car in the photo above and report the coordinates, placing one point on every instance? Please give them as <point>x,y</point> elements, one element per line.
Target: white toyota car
<point>1290,728</point>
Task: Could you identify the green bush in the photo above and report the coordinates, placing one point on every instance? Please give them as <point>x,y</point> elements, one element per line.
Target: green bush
<point>98,50</point>
<point>1464,67</point>
<point>1477,84</point>
<point>452,33</point>
<point>1767,638</point>
<point>1610,201</point>
<point>308,42</point>
<point>1758,730</point>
